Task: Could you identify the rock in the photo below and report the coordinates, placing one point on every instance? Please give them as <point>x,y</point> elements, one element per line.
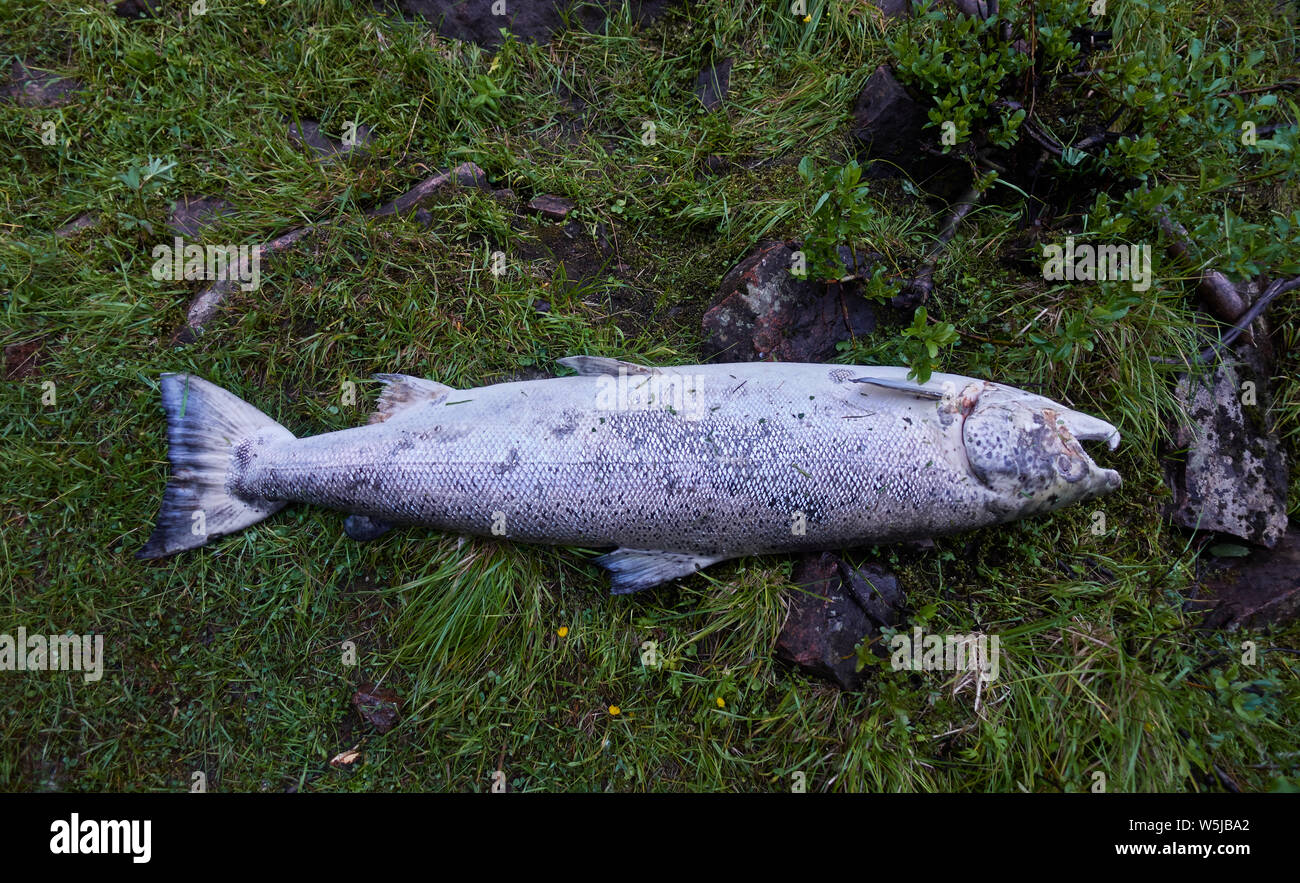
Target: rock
<point>1255,592</point>
<point>762,311</point>
<point>135,8</point>
<point>888,123</point>
<point>325,148</point>
<point>828,619</point>
<point>714,165</point>
<point>81,222</point>
<point>505,196</point>
<point>974,8</point>
<point>1234,478</point>
<point>876,591</point>
<point>894,8</point>
<point>30,87</point>
<point>379,706</point>
<point>530,20</point>
<point>191,215</point>
<point>712,84</point>
<point>824,625</point>
<point>554,207</point>
<point>469,175</point>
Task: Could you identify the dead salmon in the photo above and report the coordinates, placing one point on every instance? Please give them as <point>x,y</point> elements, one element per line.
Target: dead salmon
<point>674,468</point>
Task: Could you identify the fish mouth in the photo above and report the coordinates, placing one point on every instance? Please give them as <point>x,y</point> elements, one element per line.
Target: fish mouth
<point>1113,481</point>
<point>1086,428</point>
<point>1083,428</point>
<point>1078,428</point>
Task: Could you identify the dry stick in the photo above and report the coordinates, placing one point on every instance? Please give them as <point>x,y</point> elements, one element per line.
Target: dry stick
<point>206,303</point>
<point>1047,142</point>
<point>1271,88</point>
<point>979,337</point>
<point>1096,71</point>
<point>919,289</point>
<point>1210,352</point>
<point>1225,780</point>
<point>1278,287</point>
<point>1219,294</point>
<point>844,308</point>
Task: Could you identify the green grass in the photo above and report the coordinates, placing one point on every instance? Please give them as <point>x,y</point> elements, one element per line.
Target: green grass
<point>229,660</point>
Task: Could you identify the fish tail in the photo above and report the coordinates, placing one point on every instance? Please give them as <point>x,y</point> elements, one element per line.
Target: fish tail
<point>205,425</point>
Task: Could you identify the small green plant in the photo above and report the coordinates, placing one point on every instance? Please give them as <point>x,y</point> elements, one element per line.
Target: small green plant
<point>143,182</point>
<point>1078,333</point>
<point>840,217</point>
<point>1253,701</point>
<point>968,66</point>
<point>878,287</point>
<point>922,342</point>
<point>1155,94</point>
<point>487,95</point>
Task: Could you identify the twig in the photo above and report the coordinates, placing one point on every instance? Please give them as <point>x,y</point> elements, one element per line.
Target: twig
<point>1049,143</point>
<point>1226,780</point>
<point>844,307</point>
<point>1208,354</point>
<point>1249,91</point>
<point>1219,294</point>
<point>1256,310</point>
<point>981,338</point>
<point>919,289</point>
<point>206,303</point>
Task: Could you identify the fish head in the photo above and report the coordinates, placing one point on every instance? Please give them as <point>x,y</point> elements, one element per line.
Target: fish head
<point>1026,449</point>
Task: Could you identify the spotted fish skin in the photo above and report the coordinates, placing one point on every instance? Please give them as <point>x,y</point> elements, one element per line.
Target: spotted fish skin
<point>676,468</point>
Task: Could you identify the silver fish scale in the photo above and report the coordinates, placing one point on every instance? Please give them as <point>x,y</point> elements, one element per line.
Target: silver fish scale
<point>543,462</point>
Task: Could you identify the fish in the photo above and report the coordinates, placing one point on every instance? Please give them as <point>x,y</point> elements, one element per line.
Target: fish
<point>673,469</point>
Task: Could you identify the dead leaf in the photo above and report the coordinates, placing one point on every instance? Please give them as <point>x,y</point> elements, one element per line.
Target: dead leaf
<point>346,758</point>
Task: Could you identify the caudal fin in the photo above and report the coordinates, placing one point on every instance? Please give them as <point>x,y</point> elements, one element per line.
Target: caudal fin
<point>204,424</point>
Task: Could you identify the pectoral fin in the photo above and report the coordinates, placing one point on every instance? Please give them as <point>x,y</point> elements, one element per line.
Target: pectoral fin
<point>363,527</point>
<point>915,389</point>
<point>632,570</point>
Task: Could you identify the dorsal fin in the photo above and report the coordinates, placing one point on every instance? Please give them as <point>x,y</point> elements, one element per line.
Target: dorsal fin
<point>593,365</point>
<point>403,391</point>
<point>901,386</point>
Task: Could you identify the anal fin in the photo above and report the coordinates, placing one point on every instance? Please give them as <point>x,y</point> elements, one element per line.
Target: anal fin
<point>403,391</point>
<point>632,570</point>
